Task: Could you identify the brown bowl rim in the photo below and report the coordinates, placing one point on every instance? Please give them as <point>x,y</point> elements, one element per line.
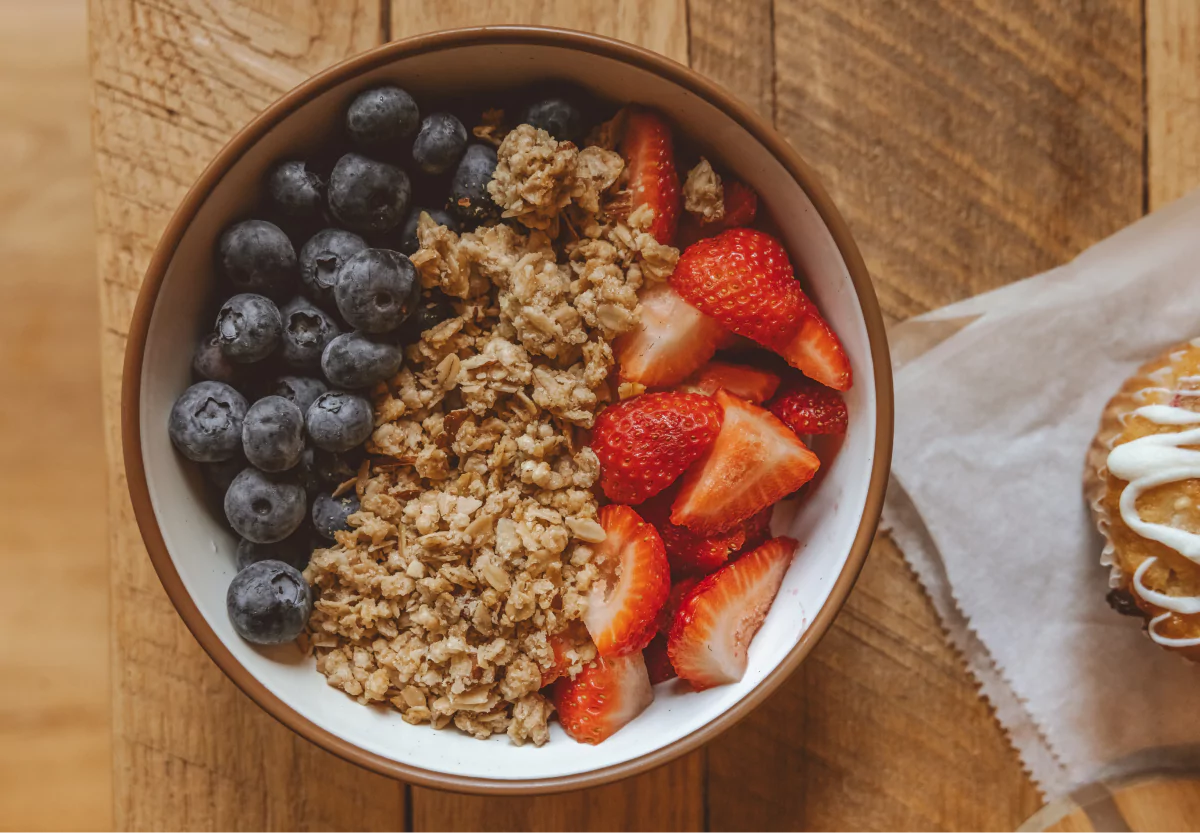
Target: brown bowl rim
<point>379,56</point>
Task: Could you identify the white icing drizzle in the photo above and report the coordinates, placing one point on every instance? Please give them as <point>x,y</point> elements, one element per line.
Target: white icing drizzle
<point>1178,604</point>
<point>1167,641</point>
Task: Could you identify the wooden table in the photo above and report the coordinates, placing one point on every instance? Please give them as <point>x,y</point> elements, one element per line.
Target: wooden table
<point>968,144</point>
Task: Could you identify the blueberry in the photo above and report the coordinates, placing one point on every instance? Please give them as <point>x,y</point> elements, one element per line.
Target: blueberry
<point>256,256</point>
<point>209,362</point>
<point>321,258</point>
<point>294,550</point>
<point>206,422</point>
<point>368,196</point>
<point>440,144</point>
<point>264,508</point>
<point>305,472</point>
<point>469,197</point>
<point>297,194</point>
<point>249,327</point>
<point>354,361</point>
<point>408,242</point>
<point>306,331</point>
<point>434,308</point>
<point>302,390</point>
<point>380,120</point>
<point>339,421</point>
<point>377,290</point>
<point>335,467</point>
<point>558,117</point>
<point>220,475</point>
<point>273,434</point>
<point>269,603</point>
<point>329,513</point>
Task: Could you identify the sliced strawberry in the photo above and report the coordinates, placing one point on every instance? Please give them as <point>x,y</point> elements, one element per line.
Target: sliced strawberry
<point>561,644</point>
<point>688,553</point>
<point>755,461</point>
<point>649,153</point>
<point>645,442</point>
<point>817,353</point>
<point>743,279</point>
<point>670,341</point>
<point>658,664</point>
<point>758,528</point>
<point>679,592</point>
<point>810,408</point>
<point>634,581</point>
<point>733,341</point>
<point>741,207</point>
<point>745,382</point>
<point>603,697</point>
<point>710,637</point>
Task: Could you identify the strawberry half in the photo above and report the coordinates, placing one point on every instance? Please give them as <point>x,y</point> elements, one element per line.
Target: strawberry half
<point>560,643</point>
<point>603,697</point>
<point>690,554</point>
<point>745,382</point>
<point>810,408</point>
<point>649,153</point>
<point>741,207</point>
<point>744,280</point>
<point>658,663</point>
<point>671,340</point>
<point>644,443</point>
<point>755,461</point>
<point>634,581</point>
<point>710,637</point>
<point>817,353</point>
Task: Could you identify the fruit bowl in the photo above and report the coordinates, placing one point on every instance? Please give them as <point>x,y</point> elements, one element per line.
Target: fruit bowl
<point>193,552</point>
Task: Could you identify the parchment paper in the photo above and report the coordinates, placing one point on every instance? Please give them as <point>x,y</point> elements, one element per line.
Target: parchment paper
<point>997,400</point>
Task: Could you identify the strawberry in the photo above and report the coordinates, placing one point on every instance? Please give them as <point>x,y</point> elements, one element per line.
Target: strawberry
<point>692,554</point>
<point>817,353</point>
<point>810,408</point>
<point>712,631</point>
<point>749,383</point>
<point>741,207</point>
<point>755,461</point>
<point>649,153</point>
<point>634,581</point>
<point>560,643</point>
<point>658,664</point>
<point>679,591</point>
<point>603,697</point>
<point>644,443</point>
<point>744,280</point>
<point>670,341</point>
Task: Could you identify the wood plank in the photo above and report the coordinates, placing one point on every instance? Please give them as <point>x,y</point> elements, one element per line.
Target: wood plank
<point>734,44</point>
<point>968,146</point>
<point>54,708</point>
<point>1172,99</point>
<point>671,797</point>
<point>172,80</point>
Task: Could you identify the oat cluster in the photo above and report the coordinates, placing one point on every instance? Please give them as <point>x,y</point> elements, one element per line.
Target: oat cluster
<point>470,562</point>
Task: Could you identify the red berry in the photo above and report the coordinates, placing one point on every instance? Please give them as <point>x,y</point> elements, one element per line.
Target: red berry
<point>649,155</point>
<point>810,408</point>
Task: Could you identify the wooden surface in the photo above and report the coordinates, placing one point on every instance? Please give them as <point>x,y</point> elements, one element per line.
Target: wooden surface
<point>967,144</point>
<point>54,693</point>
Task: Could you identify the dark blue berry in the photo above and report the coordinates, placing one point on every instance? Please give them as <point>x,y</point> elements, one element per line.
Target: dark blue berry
<point>273,434</point>
<point>354,361</point>
<point>295,550</point>
<point>329,513</point>
<point>296,193</point>
<point>269,603</point>
<point>469,197</point>
<point>220,475</point>
<point>377,290</point>
<point>321,258</point>
<point>380,120</point>
<point>306,331</point>
<point>256,256</point>
<point>558,117</point>
<point>440,143</point>
<point>339,421</point>
<point>368,196</point>
<point>305,472</point>
<point>249,327</point>
<point>210,362</point>
<point>206,422</point>
<point>302,390</point>
<point>434,308</point>
<point>408,242</point>
<point>264,508</point>
<point>337,467</point>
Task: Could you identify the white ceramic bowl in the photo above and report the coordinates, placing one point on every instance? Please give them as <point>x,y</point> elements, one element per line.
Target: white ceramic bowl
<point>193,551</point>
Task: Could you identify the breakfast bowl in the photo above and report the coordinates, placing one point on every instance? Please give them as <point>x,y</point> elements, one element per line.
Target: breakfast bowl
<point>192,550</point>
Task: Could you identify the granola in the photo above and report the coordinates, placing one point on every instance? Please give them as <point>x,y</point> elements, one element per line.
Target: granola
<point>703,194</point>
<point>472,552</point>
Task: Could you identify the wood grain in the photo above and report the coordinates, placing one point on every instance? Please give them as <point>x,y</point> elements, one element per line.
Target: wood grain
<point>1172,99</point>
<point>172,81</point>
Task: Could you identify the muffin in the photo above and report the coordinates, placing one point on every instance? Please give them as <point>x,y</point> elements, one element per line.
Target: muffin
<point>1142,481</point>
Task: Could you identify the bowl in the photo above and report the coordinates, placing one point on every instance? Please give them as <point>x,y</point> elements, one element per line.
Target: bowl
<point>193,552</point>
